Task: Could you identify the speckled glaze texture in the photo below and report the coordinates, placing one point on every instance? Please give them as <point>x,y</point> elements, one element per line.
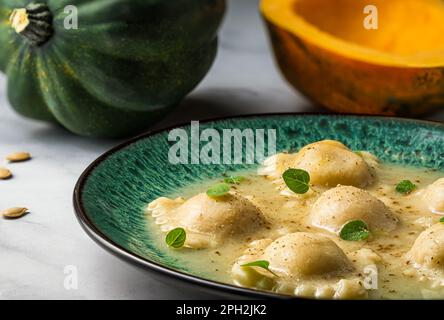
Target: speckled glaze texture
<point>116,191</point>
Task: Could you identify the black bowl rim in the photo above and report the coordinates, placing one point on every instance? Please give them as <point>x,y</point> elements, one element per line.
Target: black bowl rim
<point>102,240</point>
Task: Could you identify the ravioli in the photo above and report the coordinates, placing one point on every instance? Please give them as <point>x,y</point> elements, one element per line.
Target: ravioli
<point>427,252</point>
<point>306,255</point>
<point>328,162</point>
<point>208,220</point>
<point>296,235</point>
<point>304,264</point>
<point>434,196</point>
<point>342,204</point>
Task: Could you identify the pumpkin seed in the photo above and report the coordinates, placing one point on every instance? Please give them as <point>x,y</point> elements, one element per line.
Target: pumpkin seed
<point>18,157</point>
<point>5,174</point>
<point>13,213</point>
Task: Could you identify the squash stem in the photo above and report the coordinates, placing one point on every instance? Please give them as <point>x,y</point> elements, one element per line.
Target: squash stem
<point>33,22</point>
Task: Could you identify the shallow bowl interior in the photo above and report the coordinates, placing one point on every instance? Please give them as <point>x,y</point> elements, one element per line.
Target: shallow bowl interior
<point>112,194</point>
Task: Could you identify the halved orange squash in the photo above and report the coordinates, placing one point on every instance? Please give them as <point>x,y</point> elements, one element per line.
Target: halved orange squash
<point>325,50</point>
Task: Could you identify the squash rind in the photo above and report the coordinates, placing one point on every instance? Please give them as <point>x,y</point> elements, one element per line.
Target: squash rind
<point>128,64</point>
<point>346,84</point>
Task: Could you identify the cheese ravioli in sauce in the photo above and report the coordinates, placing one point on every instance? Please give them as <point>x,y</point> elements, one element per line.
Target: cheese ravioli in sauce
<point>427,253</point>
<point>342,204</point>
<point>304,264</point>
<point>208,220</point>
<point>328,162</point>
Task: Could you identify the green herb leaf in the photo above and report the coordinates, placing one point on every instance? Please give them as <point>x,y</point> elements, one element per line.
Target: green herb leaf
<point>218,190</point>
<point>234,179</point>
<point>359,153</point>
<point>441,220</point>
<point>405,187</point>
<point>355,230</point>
<point>297,180</point>
<point>260,264</point>
<point>176,238</point>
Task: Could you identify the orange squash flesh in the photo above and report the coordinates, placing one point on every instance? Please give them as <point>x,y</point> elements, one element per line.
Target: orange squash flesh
<point>324,50</point>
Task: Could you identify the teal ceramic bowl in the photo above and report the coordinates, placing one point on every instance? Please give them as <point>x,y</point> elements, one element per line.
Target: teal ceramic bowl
<point>112,194</point>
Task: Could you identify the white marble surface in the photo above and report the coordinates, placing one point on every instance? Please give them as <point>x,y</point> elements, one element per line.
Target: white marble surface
<point>35,250</point>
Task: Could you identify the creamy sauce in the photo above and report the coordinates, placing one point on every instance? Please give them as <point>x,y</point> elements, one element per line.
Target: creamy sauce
<point>287,214</point>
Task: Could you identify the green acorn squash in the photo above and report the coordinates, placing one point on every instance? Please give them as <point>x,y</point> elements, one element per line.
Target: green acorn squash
<point>126,65</point>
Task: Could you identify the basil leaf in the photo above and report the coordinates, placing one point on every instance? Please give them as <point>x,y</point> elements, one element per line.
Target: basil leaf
<point>218,190</point>
<point>405,187</point>
<point>355,230</point>
<point>441,220</point>
<point>297,180</point>
<point>260,264</point>
<point>234,179</point>
<point>176,238</point>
